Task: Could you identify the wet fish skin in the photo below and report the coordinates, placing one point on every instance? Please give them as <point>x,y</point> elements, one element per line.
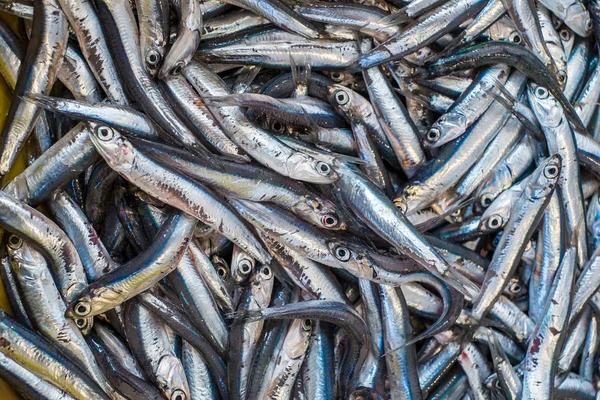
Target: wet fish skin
<point>184,193</point>
<point>147,336</point>
<point>544,344</point>
<point>33,353</point>
<point>40,71</point>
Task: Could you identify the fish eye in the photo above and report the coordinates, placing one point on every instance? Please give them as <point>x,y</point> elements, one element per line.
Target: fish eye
<point>266,273</point>
<point>541,92</point>
<point>401,206</point>
<point>565,35</point>
<point>588,24</point>
<point>104,133</point>
<point>433,135</point>
<point>342,253</point>
<point>337,76</point>
<point>222,272</point>
<point>561,76</point>
<point>15,242</point>
<point>329,221</point>
<point>277,127</point>
<point>515,287</point>
<point>515,37</point>
<point>323,168</point>
<point>495,221</point>
<point>245,266</point>
<point>83,308</point>
<point>307,325</point>
<point>178,394</point>
<point>551,171</point>
<point>177,68</point>
<point>341,97</point>
<point>81,323</point>
<point>486,200</point>
<point>153,58</point>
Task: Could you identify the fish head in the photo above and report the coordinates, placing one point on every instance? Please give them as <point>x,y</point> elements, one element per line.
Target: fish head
<point>347,101</point>
<point>242,265</point>
<point>544,178</point>
<point>414,197</point>
<point>320,212</point>
<point>578,18</point>
<point>262,286</point>
<point>94,300</point>
<point>545,106</point>
<point>446,128</point>
<point>515,37</point>
<point>297,339</point>
<point>153,57</point>
<point>171,378</point>
<point>516,288</point>
<point>116,150</point>
<point>25,260</point>
<point>492,187</point>
<point>493,222</point>
<point>306,168</point>
<point>352,257</point>
<point>180,54</point>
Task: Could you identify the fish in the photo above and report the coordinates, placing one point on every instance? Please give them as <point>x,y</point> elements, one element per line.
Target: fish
<point>367,199</point>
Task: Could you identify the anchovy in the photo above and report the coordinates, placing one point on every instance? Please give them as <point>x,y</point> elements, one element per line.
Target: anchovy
<point>538,377</point>
<point>40,70</point>
<point>154,20</point>
<point>300,200</point>
<point>562,142</point>
<point>423,33</point>
<point>141,273</point>
<point>529,207</point>
<point>510,54</point>
<point>148,338</point>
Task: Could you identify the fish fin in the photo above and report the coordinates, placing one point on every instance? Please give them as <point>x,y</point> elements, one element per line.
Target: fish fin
<point>222,101</point>
<point>453,304</point>
<point>527,123</point>
<point>311,133</point>
<point>413,70</point>
<point>301,75</point>
<point>310,136</point>
<point>395,18</point>
<point>459,204</point>
<point>245,78</point>
<point>504,102</point>
<point>342,158</point>
<point>312,124</point>
<point>505,92</point>
<point>576,123</point>
<point>454,44</point>
<point>508,101</point>
<point>419,98</point>
<point>46,102</point>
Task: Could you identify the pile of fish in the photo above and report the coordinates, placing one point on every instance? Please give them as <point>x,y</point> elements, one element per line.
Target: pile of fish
<point>299,199</point>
